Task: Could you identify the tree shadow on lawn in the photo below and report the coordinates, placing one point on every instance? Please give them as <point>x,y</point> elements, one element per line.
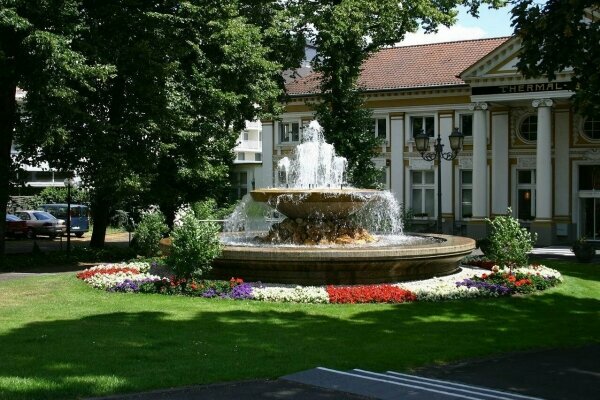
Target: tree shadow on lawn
<point>124,352</point>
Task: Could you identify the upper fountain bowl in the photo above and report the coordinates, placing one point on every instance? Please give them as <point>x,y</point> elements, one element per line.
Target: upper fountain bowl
<point>315,203</point>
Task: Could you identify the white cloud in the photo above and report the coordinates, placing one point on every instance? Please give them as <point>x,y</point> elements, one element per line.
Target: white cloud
<point>444,34</point>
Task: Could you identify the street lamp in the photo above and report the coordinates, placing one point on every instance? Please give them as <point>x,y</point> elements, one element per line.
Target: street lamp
<point>69,182</point>
<point>456,143</point>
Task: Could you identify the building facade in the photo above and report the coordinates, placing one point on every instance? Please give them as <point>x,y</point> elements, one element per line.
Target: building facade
<point>248,159</point>
<point>525,148</point>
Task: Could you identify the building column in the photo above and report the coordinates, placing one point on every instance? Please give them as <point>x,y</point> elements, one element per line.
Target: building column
<point>265,178</point>
<point>477,226</point>
<point>543,189</point>
<point>397,157</point>
<point>500,166</point>
<point>445,125</point>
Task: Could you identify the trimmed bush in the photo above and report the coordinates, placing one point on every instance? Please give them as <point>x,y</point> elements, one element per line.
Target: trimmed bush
<point>509,243</point>
<point>151,228</point>
<point>194,245</point>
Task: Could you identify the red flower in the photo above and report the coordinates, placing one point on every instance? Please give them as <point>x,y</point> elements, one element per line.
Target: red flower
<point>235,282</point>
<point>484,276</point>
<point>512,278</point>
<point>369,294</point>
<point>522,282</point>
<point>105,271</point>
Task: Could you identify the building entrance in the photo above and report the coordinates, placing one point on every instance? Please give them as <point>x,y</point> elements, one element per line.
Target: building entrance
<point>589,197</point>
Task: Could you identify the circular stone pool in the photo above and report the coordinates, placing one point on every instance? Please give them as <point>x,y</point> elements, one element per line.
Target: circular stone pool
<point>383,262</point>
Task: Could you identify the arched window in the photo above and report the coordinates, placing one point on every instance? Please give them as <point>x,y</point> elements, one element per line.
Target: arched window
<point>591,128</point>
<point>528,128</point>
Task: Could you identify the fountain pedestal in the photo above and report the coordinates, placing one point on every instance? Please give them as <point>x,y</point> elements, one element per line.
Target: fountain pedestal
<point>315,203</point>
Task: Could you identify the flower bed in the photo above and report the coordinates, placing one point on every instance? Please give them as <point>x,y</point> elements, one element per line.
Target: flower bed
<point>469,283</point>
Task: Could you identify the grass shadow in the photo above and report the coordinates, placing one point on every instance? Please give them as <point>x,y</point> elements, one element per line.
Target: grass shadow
<point>134,351</point>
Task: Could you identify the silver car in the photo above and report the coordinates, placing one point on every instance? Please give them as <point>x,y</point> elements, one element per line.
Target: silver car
<point>42,223</point>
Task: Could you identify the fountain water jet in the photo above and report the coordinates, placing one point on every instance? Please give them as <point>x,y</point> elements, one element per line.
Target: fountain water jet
<point>333,234</point>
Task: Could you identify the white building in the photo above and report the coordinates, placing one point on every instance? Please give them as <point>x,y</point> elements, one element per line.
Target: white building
<point>248,158</point>
<point>525,147</point>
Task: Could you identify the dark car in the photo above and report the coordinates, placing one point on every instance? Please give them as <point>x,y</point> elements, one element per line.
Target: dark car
<point>15,226</point>
<point>42,223</point>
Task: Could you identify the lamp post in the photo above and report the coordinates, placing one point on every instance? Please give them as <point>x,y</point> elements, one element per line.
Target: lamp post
<point>69,184</point>
<point>422,144</point>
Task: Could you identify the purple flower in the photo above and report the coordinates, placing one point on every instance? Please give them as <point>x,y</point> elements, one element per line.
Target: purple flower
<point>126,286</point>
<point>209,293</point>
<point>242,292</point>
<point>485,286</point>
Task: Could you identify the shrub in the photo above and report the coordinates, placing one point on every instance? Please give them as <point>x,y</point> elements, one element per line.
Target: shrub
<point>209,209</point>
<point>148,232</point>
<point>194,245</point>
<point>59,195</point>
<point>119,219</point>
<point>509,243</point>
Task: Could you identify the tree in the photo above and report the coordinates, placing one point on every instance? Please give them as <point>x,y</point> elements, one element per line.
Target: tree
<point>112,137</point>
<point>231,76</point>
<point>185,76</point>
<point>561,34</point>
<point>346,33</point>
<point>35,56</point>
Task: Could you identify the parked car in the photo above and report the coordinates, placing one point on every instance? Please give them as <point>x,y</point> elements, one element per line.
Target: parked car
<point>79,216</point>
<point>15,226</point>
<point>42,223</point>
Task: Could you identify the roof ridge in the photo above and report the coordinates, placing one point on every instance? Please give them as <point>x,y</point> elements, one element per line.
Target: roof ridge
<point>447,42</point>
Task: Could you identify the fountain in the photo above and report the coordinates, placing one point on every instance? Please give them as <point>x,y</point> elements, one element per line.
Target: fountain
<point>332,233</point>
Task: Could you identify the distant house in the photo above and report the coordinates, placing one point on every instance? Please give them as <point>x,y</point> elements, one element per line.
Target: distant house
<point>525,148</point>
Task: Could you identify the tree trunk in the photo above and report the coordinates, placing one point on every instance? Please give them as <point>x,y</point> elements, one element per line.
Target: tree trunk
<point>7,126</point>
<point>100,213</point>
<point>169,212</point>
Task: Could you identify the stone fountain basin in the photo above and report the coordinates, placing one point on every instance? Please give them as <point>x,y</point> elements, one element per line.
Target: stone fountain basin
<point>315,203</point>
<point>314,265</point>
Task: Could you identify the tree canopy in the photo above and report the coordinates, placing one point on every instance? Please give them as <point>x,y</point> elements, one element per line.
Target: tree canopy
<point>562,34</point>
<point>184,77</point>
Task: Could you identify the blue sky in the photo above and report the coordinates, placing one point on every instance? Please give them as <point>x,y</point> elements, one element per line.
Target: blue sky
<point>491,23</point>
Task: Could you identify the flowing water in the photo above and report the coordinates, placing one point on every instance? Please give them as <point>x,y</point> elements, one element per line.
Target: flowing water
<point>315,166</point>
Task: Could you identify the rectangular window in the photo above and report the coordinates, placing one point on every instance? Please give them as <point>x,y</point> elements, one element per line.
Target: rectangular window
<point>379,128</point>
<point>239,185</point>
<point>42,176</point>
<point>589,177</point>
<point>245,135</point>
<point>289,132</point>
<point>423,194</point>
<point>466,193</point>
<point>241,156</point>
<point>257,156</point>
<point>466,124</point>
<point>422,124</point>
<point>382,128</point>
<point>526,194</point>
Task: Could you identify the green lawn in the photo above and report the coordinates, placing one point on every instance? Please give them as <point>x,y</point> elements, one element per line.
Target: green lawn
<point>60,338</point>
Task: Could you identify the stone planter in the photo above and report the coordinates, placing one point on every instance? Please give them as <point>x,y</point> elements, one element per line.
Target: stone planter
<point>584,251</point>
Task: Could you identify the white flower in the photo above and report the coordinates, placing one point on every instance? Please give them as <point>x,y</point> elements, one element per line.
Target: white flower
<point>297,294</point>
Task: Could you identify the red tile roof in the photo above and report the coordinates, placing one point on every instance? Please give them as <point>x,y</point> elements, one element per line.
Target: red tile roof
<point>427,65</point>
